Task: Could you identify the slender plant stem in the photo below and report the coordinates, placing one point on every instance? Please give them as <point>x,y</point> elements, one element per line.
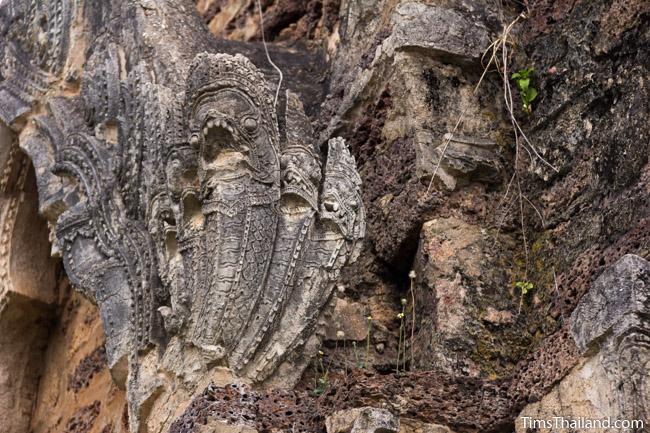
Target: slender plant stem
<point>412,319</point>
<point>399,347</point>
<point>365,362</point>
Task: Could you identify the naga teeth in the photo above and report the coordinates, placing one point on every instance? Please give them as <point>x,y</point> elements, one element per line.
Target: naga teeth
<point>217,123</point>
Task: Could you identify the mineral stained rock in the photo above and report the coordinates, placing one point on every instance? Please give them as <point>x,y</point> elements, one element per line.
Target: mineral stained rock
<point>210,215</point>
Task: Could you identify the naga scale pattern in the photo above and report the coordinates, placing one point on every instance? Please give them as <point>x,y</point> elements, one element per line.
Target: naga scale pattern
<point>187,204</point>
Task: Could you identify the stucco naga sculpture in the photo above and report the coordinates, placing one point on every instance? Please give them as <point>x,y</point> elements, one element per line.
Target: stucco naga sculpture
<point>204,219</point>
<point>247,249</point>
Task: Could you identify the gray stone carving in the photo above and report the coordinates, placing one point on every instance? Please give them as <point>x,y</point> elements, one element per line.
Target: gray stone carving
<point>204,219</point>
<point>238,222</point>
<point>612,319</point>
<point>617,296</point>
<point>34,46</point>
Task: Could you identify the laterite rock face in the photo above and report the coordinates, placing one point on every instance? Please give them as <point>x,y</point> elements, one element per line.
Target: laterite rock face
<point>189,244</point>
<point>76,383</point>
<point>286,21</point>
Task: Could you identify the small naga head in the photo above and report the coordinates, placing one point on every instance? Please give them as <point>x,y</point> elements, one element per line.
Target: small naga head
<point>232,121</point>
<point>341,205</point>
<point>300,161</point>
<point>180,171</point>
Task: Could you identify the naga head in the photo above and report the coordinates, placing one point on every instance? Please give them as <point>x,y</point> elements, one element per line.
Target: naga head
<point>341,204</point>
<point>232,121</point>
<point>300,161</point>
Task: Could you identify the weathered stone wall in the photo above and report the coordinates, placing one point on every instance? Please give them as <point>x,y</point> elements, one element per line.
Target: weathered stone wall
<point>398,76</point>
<point>76,392</point>
<point>397,88</point>
<point>609,382</point>
<point>28,291</point>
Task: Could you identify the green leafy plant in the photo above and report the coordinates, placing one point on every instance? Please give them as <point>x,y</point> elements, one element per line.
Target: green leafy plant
<point>524,287</point>
<point>528,93</point>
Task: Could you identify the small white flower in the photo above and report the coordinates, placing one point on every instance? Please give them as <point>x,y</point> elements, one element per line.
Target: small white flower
<point>412,274</point>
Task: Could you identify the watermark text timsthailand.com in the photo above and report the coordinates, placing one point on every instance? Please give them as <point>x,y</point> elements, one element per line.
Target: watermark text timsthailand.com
<point>560,422</point>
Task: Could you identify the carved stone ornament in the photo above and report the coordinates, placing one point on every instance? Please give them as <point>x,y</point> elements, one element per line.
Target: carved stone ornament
<point>612,319</point>
<point>201,216</point>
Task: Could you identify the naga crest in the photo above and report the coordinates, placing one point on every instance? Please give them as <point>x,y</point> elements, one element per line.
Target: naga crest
<point>198,216</point>
<point>300,161</point>
<point>231,120</point>
<point>195,210</point>
<point>251,232</point>
<point>341,203</point>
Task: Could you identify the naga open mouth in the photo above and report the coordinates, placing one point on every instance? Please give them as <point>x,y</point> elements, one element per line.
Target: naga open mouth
<point>335,215</point>
<point>223,152</point>
<point>219,131</point>
<point>296,185</point>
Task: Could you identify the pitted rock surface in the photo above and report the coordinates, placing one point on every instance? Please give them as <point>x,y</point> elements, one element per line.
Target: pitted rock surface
<point>423,395</point>
<point>212,225</point>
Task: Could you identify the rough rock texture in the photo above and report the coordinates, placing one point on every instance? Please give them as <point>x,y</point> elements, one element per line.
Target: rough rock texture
<point>465,306</point>
<point>76,383</point>
<point>222,427</point>
<point>576,251</point>
<point>596,209</point>
<point>610,381</point>
<point>23,339</point>
<point>392,78</point>
<point>426,397</point>
<point>362,420</point>
<point>413,426</point>
<point>289,21</point>
<point>398,105</point>
<point>92,364</point>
